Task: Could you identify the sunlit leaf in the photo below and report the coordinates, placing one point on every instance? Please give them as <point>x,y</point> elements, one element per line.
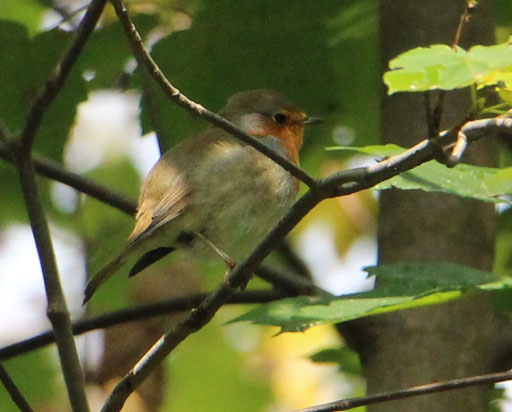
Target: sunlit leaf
<point>444,68</point>
<point>401,286</point>
<point>475,182</point>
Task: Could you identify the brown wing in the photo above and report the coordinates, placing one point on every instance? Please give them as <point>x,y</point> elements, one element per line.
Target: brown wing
<point>163,197</point>
<point>165,192</point>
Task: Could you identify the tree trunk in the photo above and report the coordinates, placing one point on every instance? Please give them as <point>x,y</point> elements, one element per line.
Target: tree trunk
<point>451,340</point>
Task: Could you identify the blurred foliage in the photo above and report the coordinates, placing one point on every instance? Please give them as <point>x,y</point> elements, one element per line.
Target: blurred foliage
<point>210,362</point>
<point>290,47</point>
<point>323,54</point>
<point>111,40</point>
<point>37,376</point>
<point>401,286</point>
<point>348,361</point>
<point>25,65</point>
<point>27,12</point>
<point>98,222</point>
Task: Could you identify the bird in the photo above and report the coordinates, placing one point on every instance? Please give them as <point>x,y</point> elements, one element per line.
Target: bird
<point>213,192</point>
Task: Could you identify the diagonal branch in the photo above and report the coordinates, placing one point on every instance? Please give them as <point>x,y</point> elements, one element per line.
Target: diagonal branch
<point>174,305</point>
<point>15,394</point>
<point>339,184</point>
<point>55,171</point>
<point>145,60</point>
<point>345,404</point>
<point>208,307</point>
<point>21,151</point>
<point>61,71</point>
<point>57,310</point>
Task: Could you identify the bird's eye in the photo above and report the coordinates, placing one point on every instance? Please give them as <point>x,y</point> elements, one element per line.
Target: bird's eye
<point>280,118</point>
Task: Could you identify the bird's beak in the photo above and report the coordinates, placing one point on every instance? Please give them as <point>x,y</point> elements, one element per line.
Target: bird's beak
<point>310,121</point>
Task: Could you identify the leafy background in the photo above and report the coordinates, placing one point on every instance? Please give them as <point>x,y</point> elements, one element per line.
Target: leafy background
<point>325,56</point>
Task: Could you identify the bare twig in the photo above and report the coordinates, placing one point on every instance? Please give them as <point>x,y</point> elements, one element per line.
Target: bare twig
<point>289,281</point>
<point>53,170</point>
<point>178,304</point>
<point>67,16</point>
<point>294,261</point>
<point>473,130</point>
<point>145,60</point>
<point>207,309</point>
<point>434,115</point>
<point>57,310</point>
<point>464,18</point>
<point>458,149</point>
<point>13,391</point>
<point>346,404</point>
<point>339,184</point>
<point>61,71</point>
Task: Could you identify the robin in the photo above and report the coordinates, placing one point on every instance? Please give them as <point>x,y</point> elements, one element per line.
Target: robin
<point>214,192</point>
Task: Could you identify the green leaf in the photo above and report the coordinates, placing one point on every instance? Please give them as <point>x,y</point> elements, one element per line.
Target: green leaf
<point>442,67</point>
<point>378,150</point>
<point>27,12</point>
<point>347,360</point>
<point>401,286</point>
<point>481,183</point>
<point>24,68</point>
<point>227,47</point>
<point>111,40</point>
<point>474,182</point>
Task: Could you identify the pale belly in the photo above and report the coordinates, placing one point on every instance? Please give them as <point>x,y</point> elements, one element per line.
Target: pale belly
<point>240,196</point>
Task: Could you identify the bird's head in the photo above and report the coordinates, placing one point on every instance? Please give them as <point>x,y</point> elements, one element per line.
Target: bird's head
<point>265,113</point>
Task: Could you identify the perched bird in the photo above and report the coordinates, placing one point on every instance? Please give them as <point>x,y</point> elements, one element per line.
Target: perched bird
<point>214,192</point>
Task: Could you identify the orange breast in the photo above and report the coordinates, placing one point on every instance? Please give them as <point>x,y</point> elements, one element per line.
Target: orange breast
<point>290,135</point>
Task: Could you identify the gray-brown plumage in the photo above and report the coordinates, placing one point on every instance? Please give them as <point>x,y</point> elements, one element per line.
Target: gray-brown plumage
<point>217,186</point>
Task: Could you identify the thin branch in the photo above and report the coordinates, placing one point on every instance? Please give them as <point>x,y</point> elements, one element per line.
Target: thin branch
<point>434,115</point>
<point>57,310</point>
<point>475,129</point>
<point>61,71</point>
<point>433,128</point>
<point>174,305</point>
<point>339,184</point>
<point>464,18</point>
<point>206,310</point>
<point>13,391</point>
<point>294,261</point>
<point>144,59</point>
<point>55,171</point>
<point>288,281</point>
<point>346,404</point>
<point>67,16</point>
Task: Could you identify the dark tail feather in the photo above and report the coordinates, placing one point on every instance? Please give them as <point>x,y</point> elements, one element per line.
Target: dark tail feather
<point>103,275</point>
<point>149,258</point>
